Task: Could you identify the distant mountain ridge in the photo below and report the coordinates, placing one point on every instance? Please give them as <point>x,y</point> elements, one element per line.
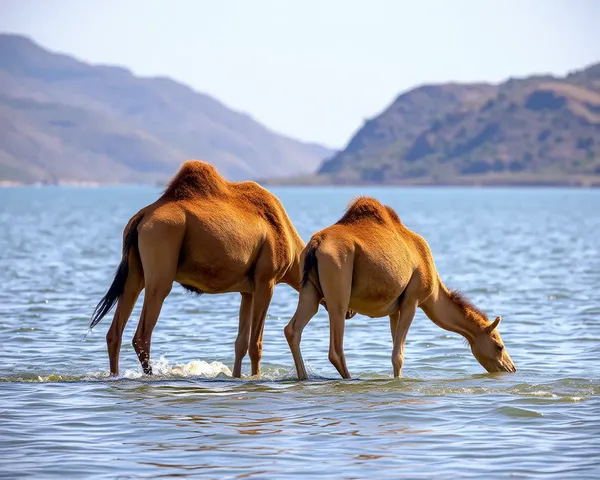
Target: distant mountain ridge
<point>63,120</point>
<point>534,130</point>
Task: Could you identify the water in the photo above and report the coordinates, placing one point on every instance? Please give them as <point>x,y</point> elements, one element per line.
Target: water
<point>532,256</point>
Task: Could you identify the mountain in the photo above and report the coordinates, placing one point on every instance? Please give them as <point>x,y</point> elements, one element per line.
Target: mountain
<point>535,130</point>
<point>63,120</point>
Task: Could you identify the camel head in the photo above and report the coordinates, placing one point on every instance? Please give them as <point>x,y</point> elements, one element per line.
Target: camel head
<point>489,350</point>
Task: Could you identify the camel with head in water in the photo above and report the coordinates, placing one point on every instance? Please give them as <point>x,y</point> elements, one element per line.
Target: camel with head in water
<point>211,236</point>
<point>371,263</point>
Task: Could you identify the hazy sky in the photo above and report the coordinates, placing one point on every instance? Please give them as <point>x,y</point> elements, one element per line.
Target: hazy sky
<point>315,70</point>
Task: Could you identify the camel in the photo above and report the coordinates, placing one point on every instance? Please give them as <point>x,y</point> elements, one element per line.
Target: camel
<point>371,263</point>
<point>212,236</point>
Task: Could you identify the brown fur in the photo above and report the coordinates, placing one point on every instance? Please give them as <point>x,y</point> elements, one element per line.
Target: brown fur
<point>369,209</point>
<point>196,179</point>
<point>371,263</point>
<point>467,308</point>
<point>212,236</point>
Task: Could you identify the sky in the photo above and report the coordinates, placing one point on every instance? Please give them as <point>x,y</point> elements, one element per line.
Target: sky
<point>316,70</point>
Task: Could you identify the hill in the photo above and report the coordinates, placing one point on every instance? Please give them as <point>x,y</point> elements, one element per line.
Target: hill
<point>535,130</point>
<point>63,120</point>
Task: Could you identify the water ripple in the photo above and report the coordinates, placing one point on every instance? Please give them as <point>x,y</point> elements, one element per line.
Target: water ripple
<point>531,256</point>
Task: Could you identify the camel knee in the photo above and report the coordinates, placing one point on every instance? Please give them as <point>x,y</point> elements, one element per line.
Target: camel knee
<point>255,352</point>
<point>241,347</point>
<point>113,339</point>
<point>293,330</point>
<point>291,334</point>
<point>334,358</point>
<point>288,331</point>
<point>159,291</point>
<point>397,362</point>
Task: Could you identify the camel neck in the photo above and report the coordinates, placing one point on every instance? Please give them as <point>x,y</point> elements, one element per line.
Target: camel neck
<point>453,312</point>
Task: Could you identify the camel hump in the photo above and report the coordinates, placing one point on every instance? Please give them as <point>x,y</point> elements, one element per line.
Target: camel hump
<point>266,204</point>
<point>368,209</point>
<point>194,179</point>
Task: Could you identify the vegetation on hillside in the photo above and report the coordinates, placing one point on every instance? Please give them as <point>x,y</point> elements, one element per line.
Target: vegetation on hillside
<point>536,130</point>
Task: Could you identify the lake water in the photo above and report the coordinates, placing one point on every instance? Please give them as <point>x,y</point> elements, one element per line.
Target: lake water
<point>532,256</point>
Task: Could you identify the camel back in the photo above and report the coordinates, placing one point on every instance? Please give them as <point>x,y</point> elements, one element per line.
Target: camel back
<point>360,213</point>
<point>370,210</point>
<point>197,180</point>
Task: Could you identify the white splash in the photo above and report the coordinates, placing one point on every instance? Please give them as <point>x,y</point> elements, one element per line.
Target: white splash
<point>162,369</point>
<point>195,368</point>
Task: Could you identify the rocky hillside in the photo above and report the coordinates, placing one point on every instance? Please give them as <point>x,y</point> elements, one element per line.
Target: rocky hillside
<point>62,120</point>
<point>536,130</point>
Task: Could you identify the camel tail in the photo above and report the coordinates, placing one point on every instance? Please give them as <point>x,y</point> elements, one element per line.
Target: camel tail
<point>118,285</point>
<point>310,261</point>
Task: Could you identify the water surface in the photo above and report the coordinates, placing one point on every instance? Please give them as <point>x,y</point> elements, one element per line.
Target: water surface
<point>532,256</point>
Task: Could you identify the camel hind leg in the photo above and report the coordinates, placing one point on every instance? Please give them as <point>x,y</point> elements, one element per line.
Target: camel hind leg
<point>133,288</point>
<point>308,305</point>
<point>335,275</point>
<point>159,252</point>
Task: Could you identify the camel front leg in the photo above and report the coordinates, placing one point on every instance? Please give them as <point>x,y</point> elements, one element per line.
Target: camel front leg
<point>263,292</point>
<point>243,338</point>
<point>400,325</point>
<point>308,305</point>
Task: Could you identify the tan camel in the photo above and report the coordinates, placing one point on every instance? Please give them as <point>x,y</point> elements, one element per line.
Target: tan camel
<point>211,236</point>
<point>371,263</point>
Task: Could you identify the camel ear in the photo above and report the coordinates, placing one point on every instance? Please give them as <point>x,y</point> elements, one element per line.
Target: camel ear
<point>492,326</point>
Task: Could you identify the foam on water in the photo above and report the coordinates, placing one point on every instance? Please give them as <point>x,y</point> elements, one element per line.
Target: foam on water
<point>162,369</point>
<point>196,368</point>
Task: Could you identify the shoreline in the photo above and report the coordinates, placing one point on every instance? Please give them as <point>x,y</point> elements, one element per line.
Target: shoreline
<point>486,181</point>
<point>491,185</point>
